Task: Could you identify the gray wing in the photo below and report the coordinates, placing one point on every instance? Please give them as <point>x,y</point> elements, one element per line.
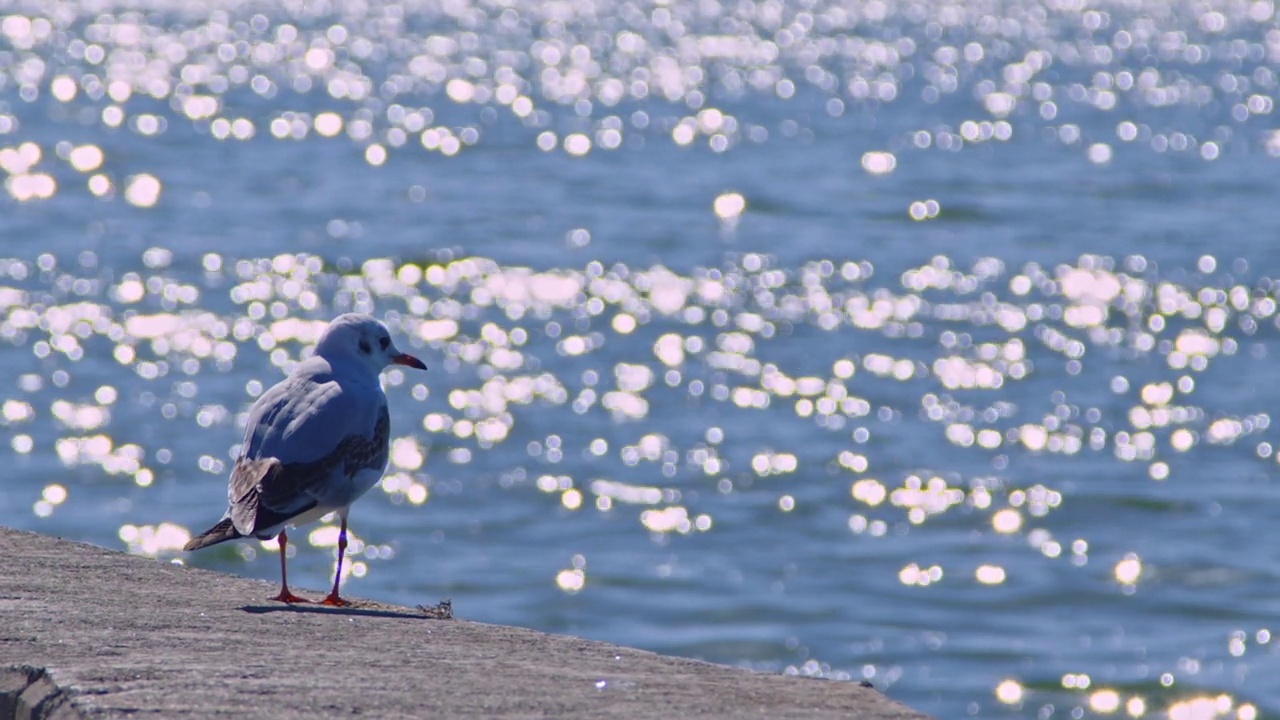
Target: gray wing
<point>265,493</point>
<point>305,417</point>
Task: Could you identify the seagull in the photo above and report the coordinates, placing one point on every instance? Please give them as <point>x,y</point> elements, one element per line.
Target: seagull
<point>315,442</point>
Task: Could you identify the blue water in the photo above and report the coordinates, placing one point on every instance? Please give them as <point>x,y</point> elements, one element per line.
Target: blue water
<point>929,344</point>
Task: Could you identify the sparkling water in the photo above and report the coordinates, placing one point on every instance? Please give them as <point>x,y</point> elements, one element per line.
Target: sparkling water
<point>925,343</point>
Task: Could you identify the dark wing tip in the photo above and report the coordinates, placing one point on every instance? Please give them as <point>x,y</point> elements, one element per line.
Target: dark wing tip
<point>225,530</point>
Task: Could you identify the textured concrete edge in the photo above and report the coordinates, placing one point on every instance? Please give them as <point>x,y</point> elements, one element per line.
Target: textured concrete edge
<point>58,680</point>
<point>29,693</point>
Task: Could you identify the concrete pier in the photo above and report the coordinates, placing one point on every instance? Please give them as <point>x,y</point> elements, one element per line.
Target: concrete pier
<point>90,632</point>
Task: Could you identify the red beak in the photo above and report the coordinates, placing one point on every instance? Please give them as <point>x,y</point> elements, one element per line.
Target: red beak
<point>407,359</point>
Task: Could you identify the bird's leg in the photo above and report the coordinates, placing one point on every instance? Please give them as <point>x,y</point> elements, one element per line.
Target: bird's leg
<point>285,596</point>
<point>333,598</point>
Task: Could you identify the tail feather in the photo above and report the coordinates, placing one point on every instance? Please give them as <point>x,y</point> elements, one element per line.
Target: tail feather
<point>225,530</point>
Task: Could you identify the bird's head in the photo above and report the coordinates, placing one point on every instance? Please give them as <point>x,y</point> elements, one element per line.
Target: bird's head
<point>361,339</point>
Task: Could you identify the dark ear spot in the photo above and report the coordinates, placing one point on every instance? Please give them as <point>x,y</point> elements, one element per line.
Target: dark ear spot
<point>384,341</point>
<point>364,347</point>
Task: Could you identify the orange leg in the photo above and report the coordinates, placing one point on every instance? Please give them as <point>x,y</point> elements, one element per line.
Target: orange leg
<point>285,596</point>
<point>333,598</point>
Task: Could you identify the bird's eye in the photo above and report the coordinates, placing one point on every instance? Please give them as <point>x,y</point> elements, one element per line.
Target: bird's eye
<point>385,342</point>
<point>364,347</point>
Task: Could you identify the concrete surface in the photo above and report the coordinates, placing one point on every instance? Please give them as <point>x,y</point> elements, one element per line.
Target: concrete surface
<point>89,632</point>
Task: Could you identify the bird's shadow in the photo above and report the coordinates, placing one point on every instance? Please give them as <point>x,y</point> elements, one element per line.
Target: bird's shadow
<point>348,611</point>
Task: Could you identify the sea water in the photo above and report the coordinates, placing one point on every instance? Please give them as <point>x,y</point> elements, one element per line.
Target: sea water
<point>931,344</point>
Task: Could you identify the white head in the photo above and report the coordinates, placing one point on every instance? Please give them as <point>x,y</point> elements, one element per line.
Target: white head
<point>360,339</point>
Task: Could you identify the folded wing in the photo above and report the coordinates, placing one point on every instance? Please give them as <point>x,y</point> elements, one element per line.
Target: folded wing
<point>266,493</point>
